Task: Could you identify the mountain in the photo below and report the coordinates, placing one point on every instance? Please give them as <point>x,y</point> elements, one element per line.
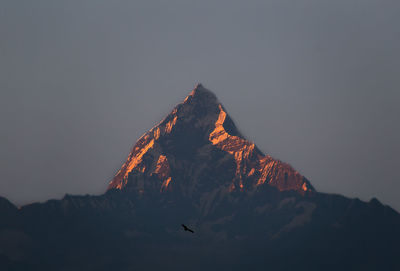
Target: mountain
<point>247,209</point>
<point>188,150</point>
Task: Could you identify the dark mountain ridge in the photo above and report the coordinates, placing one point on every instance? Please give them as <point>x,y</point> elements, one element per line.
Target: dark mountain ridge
<point>248,211</point>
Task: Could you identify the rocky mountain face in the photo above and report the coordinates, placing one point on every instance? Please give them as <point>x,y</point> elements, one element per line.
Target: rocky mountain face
<point>197,149</point>
<point>248,211</point>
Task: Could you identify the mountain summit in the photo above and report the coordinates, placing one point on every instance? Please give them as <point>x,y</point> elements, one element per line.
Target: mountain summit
<point>195,168</point>
<point>192,145</point>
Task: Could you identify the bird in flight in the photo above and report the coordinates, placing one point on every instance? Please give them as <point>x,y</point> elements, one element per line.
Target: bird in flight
<point>186,228</point>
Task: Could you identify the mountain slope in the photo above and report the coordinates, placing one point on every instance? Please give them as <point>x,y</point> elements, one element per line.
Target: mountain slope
<point>248,211</point>
<point>198,140</point>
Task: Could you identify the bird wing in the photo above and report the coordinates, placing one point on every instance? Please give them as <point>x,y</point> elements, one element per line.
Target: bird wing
<point>186,228</point>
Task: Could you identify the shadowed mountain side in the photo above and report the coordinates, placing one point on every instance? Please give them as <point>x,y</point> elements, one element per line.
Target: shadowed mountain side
<point>280,230</point>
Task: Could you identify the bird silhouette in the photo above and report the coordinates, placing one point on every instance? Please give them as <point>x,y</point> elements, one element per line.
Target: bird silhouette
<point>186,228</point>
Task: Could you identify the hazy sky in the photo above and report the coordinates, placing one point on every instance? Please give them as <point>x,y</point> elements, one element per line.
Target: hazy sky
<point>313,83</point>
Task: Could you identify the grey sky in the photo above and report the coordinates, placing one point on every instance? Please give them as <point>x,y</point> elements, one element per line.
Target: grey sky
<point>313,83</point>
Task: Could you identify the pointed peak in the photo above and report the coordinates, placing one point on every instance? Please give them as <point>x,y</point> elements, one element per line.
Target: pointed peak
<point>199,132</point>
<point>201,93</point>
<point>199,88</point>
